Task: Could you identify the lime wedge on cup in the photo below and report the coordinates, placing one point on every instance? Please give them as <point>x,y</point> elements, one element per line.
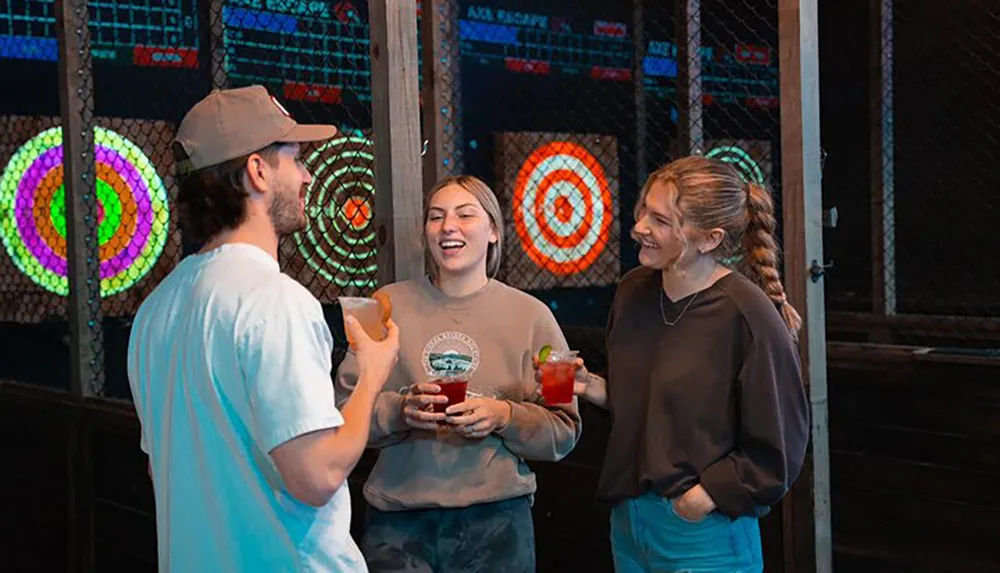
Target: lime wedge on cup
<point>543,354</point>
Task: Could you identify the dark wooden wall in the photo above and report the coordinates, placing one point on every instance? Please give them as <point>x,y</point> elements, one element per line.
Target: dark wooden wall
<point>915,470</point>
<point>73,485</point>
<point>915,462</point>
<point>35,523</point>
<point>68,461</point>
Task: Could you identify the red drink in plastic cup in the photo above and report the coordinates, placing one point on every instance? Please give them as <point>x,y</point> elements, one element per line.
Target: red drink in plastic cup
<point>454,389</point>
<point>558,373</point>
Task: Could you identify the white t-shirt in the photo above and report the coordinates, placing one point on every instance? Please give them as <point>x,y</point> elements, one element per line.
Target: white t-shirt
<point>229,358</point>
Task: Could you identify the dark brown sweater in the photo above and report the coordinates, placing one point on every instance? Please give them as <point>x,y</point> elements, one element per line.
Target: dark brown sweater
<point>716,399</point>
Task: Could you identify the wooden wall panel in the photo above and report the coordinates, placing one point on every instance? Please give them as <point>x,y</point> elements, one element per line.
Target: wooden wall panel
<point>914,460</point>
<point>914,467</point>
<point>34,483</point>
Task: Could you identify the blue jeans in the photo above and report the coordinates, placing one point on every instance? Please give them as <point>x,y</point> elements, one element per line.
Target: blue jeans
<point>496,537</point>
<point>648,536</point>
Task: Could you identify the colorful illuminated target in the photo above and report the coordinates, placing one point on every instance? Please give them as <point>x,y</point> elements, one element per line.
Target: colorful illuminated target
<point>338,243</point>
<point>133,216</point>
<point>563,208</point>
<point>751,158</point>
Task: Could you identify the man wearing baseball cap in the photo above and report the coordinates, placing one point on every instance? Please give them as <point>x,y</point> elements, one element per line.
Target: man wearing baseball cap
<point>229,361</point>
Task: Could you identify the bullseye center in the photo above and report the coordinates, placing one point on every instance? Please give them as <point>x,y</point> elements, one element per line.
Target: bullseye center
<point>357,212</point>
<point>564,210</point>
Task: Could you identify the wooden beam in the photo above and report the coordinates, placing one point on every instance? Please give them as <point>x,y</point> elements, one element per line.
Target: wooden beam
<point>985,330</point>
<point>442,90</point>
<point>899,358</point>
<point>396,119</point>
<point>639,42</point>
<point>938,323</point>
<point>80,494</point>
<point>690,131</point>
<point>215,39</point>
<point>76,106</point>
<point>883,203</point>
<point>806,509</point>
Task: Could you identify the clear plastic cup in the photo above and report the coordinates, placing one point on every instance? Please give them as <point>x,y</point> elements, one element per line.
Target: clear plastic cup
<point>454,386</point>
<point>558,374</point>
<point>368,311</point>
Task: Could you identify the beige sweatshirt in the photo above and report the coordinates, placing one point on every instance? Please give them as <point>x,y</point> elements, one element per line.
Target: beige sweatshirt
<point>491,334</point>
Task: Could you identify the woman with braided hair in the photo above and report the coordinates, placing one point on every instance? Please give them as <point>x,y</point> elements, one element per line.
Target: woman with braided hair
<point>709,417</point>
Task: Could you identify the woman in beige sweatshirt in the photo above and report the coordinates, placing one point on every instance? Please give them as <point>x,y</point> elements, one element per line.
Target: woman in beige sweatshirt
<point>451,491</point>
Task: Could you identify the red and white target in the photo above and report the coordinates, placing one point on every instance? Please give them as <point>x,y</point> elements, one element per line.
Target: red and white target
<point>562,208</point>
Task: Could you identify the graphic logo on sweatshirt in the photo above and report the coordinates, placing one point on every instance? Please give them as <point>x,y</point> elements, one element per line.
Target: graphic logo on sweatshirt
<point>452,353</point>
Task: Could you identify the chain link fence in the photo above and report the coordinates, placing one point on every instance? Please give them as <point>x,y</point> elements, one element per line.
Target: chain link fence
<point>549,108</point>
<point>133,69</point>
<point>314,56</point>
<point>912,180</point>
<point>563,108</point>
<point>569,106</point>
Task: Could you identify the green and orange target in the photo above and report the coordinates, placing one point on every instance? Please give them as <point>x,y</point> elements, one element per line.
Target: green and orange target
<point>338,242</point>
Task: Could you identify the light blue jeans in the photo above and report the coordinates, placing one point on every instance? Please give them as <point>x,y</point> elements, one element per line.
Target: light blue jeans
<point>648,536</point>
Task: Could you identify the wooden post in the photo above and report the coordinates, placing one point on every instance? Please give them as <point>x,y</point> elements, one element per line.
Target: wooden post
<point>396,119</point>
<point>689,93</point>
<point>807,540</point>
<point>216,42</point>
<point>76,106</point>
<point>442,90</point>
<point>80,492</point>
<point>882,158</point>
<point>639,79</point>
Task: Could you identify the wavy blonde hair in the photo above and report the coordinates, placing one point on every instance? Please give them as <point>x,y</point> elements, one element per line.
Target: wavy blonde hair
<point>710,194</point>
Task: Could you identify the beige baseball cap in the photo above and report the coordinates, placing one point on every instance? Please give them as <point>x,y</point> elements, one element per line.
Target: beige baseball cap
<point>231,123</point>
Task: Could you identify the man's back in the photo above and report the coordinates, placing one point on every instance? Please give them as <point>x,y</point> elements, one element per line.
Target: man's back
<point>229,358</point>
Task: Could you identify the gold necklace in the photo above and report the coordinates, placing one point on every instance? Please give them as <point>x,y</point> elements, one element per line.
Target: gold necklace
<point>663,313</point>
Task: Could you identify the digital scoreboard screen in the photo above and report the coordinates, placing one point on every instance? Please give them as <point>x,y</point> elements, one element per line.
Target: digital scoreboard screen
<point>542,44</point>
<point>317,50</point>
<point>153,33</point>
<point>534,43</point>
<point>741,74</point>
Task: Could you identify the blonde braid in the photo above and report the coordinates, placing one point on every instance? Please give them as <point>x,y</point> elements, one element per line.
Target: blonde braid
<point>761,252</point>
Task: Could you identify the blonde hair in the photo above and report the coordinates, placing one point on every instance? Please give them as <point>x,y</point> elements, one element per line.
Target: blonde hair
<point>482,192</point>
<point>711,194</point>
